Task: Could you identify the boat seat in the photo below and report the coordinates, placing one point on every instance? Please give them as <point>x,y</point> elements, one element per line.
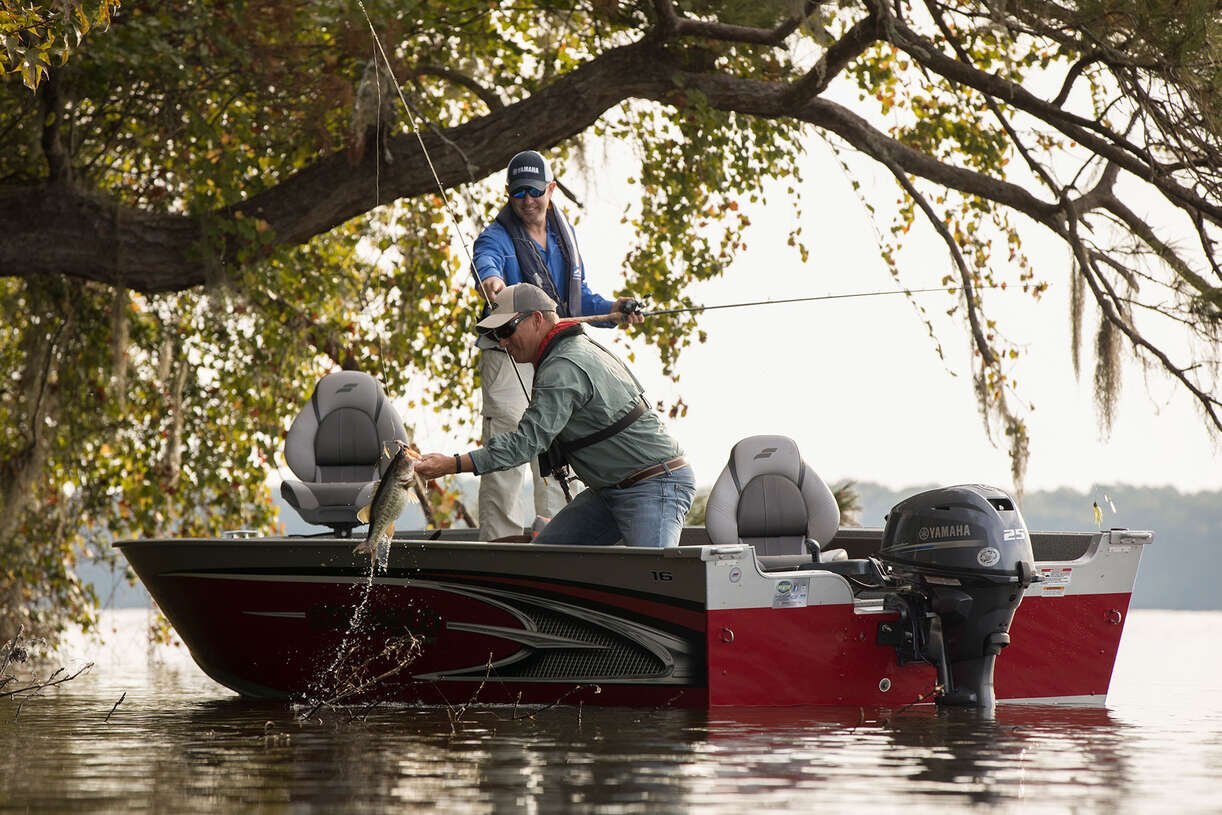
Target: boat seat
<point>769,498</point>
<point>335,448</point>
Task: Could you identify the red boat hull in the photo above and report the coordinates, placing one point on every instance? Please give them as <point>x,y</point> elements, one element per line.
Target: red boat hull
<point>451,622</point>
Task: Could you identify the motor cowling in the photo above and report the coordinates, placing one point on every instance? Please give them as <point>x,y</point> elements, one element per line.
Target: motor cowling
<point>965,554</point>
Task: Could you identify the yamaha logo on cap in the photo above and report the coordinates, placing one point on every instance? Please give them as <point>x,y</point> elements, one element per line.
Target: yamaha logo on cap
<point>528,169</point>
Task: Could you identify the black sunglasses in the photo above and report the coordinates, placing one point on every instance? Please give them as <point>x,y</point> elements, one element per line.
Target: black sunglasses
<point>522,193</point>
<point>504,332</point>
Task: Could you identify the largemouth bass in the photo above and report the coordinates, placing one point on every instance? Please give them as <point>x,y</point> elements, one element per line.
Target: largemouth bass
<point>391,498</point>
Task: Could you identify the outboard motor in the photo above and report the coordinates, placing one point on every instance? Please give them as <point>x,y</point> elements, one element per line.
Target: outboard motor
<point>963,558</point>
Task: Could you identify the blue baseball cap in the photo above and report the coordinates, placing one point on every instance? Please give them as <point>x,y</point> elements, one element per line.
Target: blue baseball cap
<point>527,169</point>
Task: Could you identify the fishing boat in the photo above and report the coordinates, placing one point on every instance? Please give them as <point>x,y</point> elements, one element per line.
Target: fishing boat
<point>771,603</point>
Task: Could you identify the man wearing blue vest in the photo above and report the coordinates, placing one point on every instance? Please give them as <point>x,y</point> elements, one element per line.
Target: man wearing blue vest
<point>530,241</point>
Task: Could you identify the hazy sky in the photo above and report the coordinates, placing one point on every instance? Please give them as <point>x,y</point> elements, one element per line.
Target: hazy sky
<point>858,384</point>
<point>860,387</point>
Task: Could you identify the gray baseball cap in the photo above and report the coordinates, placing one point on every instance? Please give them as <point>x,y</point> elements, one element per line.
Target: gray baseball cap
<point>513,300</point>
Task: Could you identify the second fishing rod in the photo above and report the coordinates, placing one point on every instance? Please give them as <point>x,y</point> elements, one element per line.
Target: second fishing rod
<point>638,307</point>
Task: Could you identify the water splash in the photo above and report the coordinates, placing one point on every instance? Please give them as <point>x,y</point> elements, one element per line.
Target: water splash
<point>347,677</point>
<point>382,560</point>
<point>327,685</point>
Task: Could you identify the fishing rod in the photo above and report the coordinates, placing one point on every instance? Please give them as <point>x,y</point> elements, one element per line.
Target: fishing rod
<point>614,316</point>
<point>559,473</point>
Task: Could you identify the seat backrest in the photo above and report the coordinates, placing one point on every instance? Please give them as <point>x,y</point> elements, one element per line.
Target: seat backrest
<point>768,497</point>
<point>338,436</point>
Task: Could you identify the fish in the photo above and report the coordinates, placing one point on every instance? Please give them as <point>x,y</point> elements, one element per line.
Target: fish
<point>389,500</point>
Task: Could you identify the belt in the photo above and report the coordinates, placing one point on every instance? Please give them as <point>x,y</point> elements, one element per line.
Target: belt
<point>650,472</point>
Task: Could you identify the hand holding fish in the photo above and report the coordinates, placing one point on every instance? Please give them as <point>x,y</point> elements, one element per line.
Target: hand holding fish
<point>392,495</point>
<point>435,465</point>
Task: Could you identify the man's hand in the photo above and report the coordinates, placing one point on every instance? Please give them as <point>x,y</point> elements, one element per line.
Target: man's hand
<point>435,465</point>
<point>625,311</point>
<point>492,286</point>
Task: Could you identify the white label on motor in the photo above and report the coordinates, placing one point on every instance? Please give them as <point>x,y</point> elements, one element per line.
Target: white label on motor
<point>988,556</point>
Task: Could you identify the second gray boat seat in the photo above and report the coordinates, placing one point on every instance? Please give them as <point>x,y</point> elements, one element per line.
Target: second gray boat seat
<point>335,448</point>
<point>770,498</point>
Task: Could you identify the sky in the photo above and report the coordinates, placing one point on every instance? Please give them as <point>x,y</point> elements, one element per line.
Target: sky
<point>857,383</point>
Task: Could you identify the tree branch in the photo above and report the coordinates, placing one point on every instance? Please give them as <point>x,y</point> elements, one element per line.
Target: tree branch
<point>836,58</point>
<point>1071,76</point>
<point>1167,254</point>
<point>59,165</point>
<point>672,23</point>
<point>50,231</point>
<point>1103,295</point>
<point>995,109</point>
<point>485,95</point>
<point>1092,135</point>
<point>969,297</point>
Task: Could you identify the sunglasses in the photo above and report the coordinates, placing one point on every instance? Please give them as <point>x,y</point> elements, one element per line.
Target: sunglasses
<point>504,332</point>
<point>531,191</point>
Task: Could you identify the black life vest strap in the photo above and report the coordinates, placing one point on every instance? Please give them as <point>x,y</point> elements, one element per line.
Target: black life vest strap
<point>554,460</point>
<point>610,430</point>
<point>619,424</point>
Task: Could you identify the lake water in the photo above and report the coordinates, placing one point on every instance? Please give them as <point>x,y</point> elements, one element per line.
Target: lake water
<point>180,743</point>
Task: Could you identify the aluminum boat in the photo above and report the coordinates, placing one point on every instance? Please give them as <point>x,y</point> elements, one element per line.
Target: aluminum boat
<point>696,625</point>
<point>771,602</point>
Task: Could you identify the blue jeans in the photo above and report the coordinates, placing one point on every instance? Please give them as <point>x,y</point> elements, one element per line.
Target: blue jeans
<point>649,513</point>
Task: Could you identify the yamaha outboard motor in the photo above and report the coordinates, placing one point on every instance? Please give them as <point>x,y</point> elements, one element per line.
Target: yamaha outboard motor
<point>964,559</point>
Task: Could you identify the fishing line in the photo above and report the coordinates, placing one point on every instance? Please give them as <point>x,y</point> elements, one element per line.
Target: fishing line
<point>445,197</point>
<point>848,295</point>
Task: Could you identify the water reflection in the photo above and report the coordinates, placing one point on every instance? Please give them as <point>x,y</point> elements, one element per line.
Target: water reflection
<point>231,754</point>
<point>920,753</point>
<point>1068,754</point>
<point>178,743</point>
<point>234,754</point>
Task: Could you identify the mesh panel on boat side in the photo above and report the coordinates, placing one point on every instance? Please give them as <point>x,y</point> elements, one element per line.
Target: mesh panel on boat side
<point>611,656</point>
<point>1061,545</point>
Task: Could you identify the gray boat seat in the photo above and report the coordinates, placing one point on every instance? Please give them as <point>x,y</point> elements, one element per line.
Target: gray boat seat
<point>335,447</point>
<point>769,498</point>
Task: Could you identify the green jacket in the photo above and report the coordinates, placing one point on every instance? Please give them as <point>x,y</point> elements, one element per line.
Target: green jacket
<point>579,389</point>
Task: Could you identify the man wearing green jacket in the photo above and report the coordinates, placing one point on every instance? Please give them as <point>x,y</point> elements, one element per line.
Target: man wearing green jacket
<point>587,401</point>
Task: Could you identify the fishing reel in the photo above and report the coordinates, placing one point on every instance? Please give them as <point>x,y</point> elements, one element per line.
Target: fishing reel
<point>553,464</point>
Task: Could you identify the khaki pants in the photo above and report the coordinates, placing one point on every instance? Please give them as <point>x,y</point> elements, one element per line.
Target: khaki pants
<point>500,492</point>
